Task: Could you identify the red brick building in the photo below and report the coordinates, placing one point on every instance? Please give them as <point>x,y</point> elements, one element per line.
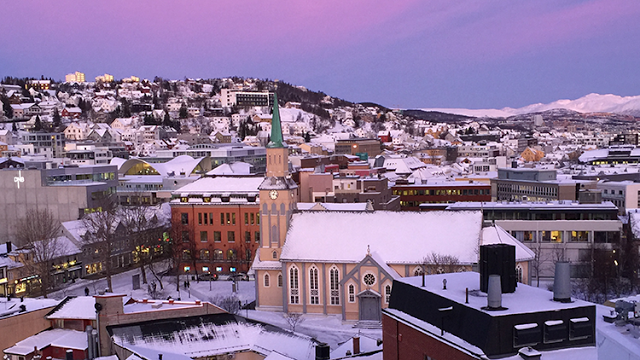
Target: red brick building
<point>216,224</point>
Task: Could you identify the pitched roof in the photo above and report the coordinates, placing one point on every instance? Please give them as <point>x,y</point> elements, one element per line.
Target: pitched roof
<point>312,237</point>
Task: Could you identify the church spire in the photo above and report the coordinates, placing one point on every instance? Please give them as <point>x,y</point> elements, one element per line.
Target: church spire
<point>276,129</point>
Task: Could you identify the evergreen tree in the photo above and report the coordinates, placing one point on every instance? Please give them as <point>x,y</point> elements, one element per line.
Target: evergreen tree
<point>6,107</point>
<point>167,120</point>
<point>183,111</point>
<point>149,120</point>
<point>57,120</point>
<point>307,137</point>
<point>126,110</point>
<point>14,128</point>
<point>38,124</point>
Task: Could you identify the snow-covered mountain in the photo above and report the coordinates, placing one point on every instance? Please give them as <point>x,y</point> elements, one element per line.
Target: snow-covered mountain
<point>628,105</point>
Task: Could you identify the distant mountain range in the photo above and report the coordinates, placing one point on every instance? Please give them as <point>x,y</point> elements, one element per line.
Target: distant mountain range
<point>592,103</point>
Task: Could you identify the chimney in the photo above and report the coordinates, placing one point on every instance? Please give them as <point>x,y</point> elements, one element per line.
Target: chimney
<point>159,356</point>
<point>562,282</point>
<point>494,294</point>
<point>69,355</point>
<point>356,345</point>
<point>322,351</point>
<point>9,247</point>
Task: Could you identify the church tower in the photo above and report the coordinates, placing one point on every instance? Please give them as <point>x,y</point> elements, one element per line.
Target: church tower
<point>278,193</point>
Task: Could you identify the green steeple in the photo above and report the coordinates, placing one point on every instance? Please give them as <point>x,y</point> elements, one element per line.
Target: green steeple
<point>276,129</point>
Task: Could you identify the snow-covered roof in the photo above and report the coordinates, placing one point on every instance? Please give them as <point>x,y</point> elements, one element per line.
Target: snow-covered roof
<point>311,236</point>
<point>208,340</point>
<point>12,307</point>
<point>236,168</point>
<point>367,344</point>
<point>497,235</point>
<point>231,185</point>
<point>362,206</point>
<point>62,338</point>
<point>176,166</point>
<point>81,307</point>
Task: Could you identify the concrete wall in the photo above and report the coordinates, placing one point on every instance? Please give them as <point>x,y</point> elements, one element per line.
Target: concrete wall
<point>19,327</point>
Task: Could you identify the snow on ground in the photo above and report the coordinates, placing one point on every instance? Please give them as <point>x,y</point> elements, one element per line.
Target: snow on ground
<point>325,328</point>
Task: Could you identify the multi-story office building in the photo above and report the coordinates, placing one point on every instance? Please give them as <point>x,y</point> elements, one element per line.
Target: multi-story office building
<point>412,196</point>
<point>555,230</point>
<point>229,98</point>
<point>364,148</point>
<point>535,185</point>
<point>75,77</point>
<point>216,223</point>
<point>67,192</point>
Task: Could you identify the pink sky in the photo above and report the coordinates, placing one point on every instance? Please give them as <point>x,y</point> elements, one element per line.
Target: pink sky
<point>410,53</point>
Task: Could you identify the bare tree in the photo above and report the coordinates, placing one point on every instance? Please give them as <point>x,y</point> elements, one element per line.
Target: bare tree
<point>39,234</point>
<point>101,234</point>
<point>145,231</point>
<point>435,263</point>
<point>230,303</point>
<point>538,263</point>
<point>293,319</point>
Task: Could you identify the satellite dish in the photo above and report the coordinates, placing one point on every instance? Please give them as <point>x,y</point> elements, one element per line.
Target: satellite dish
<point>98,307</point>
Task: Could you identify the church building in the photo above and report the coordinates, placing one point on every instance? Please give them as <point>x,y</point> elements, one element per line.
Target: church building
<point>344,263</point>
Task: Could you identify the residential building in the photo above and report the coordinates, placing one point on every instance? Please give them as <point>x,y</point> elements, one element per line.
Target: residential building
<point>51,145</point>
<point>75,77</point>
<point>106,78</point>
<point>623,194</point>
<point>230,97</point>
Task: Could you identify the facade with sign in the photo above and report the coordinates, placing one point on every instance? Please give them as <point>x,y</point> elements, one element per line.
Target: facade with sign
<point>66,192</point>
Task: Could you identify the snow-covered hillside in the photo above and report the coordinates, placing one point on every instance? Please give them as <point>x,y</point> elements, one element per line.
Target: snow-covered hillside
<point>590,103</point>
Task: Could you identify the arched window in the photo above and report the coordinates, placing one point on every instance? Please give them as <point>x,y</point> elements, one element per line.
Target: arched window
<point>294,291</point>
<point>204,254</point>
<point>274,254</point>
<point>248,255</point>
<point>274,234</point>
<point>334,277</point>
<point>279,280</point>
<point>217,254</point>
<point>266,280</point>
<point>313,286</point>
<point>387,293</point>
<point>519,273</point>
<point>418,271</point>
<point>282,209</point>
<point>232,254</point>
<point>265,208</point>
<point>352,293</point>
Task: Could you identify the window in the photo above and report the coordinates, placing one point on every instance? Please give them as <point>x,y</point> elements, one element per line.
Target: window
<point>606,237</point>
<point>418,271</point>
<point>231,236</point>
<point>313,286</point>
<point>266,280</point>
<point>274,254</point>
<point>233,218</point>
<point>279,280</point>
<point>184,218</point>
<point>185,236</point>
<point>246,218</point>
<point>294,291</point>
<point>581,236</point>
<point>369,279</point>
<point>206,219</point>
<point>218,255</point>
<point>352,293</point>
<point>519,273</point>
<point>232,254</point>
<point>210,218</point>
<point>252,219</point>
<point>257,236</point>
<point>551,236</point>
<point>221,218</point>
<point>247,255</point>
<point>524,236</point>
<point>257,218</point>
<point>387,294</point>
<point>204,254</point>
<point>186,255</point>
<point>217,236</point>
<point>203,236</point>
<point>228,215</point>
<point>334,281</point>
<point>247,236</point>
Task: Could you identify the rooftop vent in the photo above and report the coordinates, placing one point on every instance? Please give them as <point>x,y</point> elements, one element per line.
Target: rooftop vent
<point>562,282</point>
<point>498,259</point>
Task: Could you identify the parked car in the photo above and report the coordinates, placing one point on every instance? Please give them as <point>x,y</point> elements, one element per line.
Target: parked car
<point>238,277</point>
<point>208,277</point>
